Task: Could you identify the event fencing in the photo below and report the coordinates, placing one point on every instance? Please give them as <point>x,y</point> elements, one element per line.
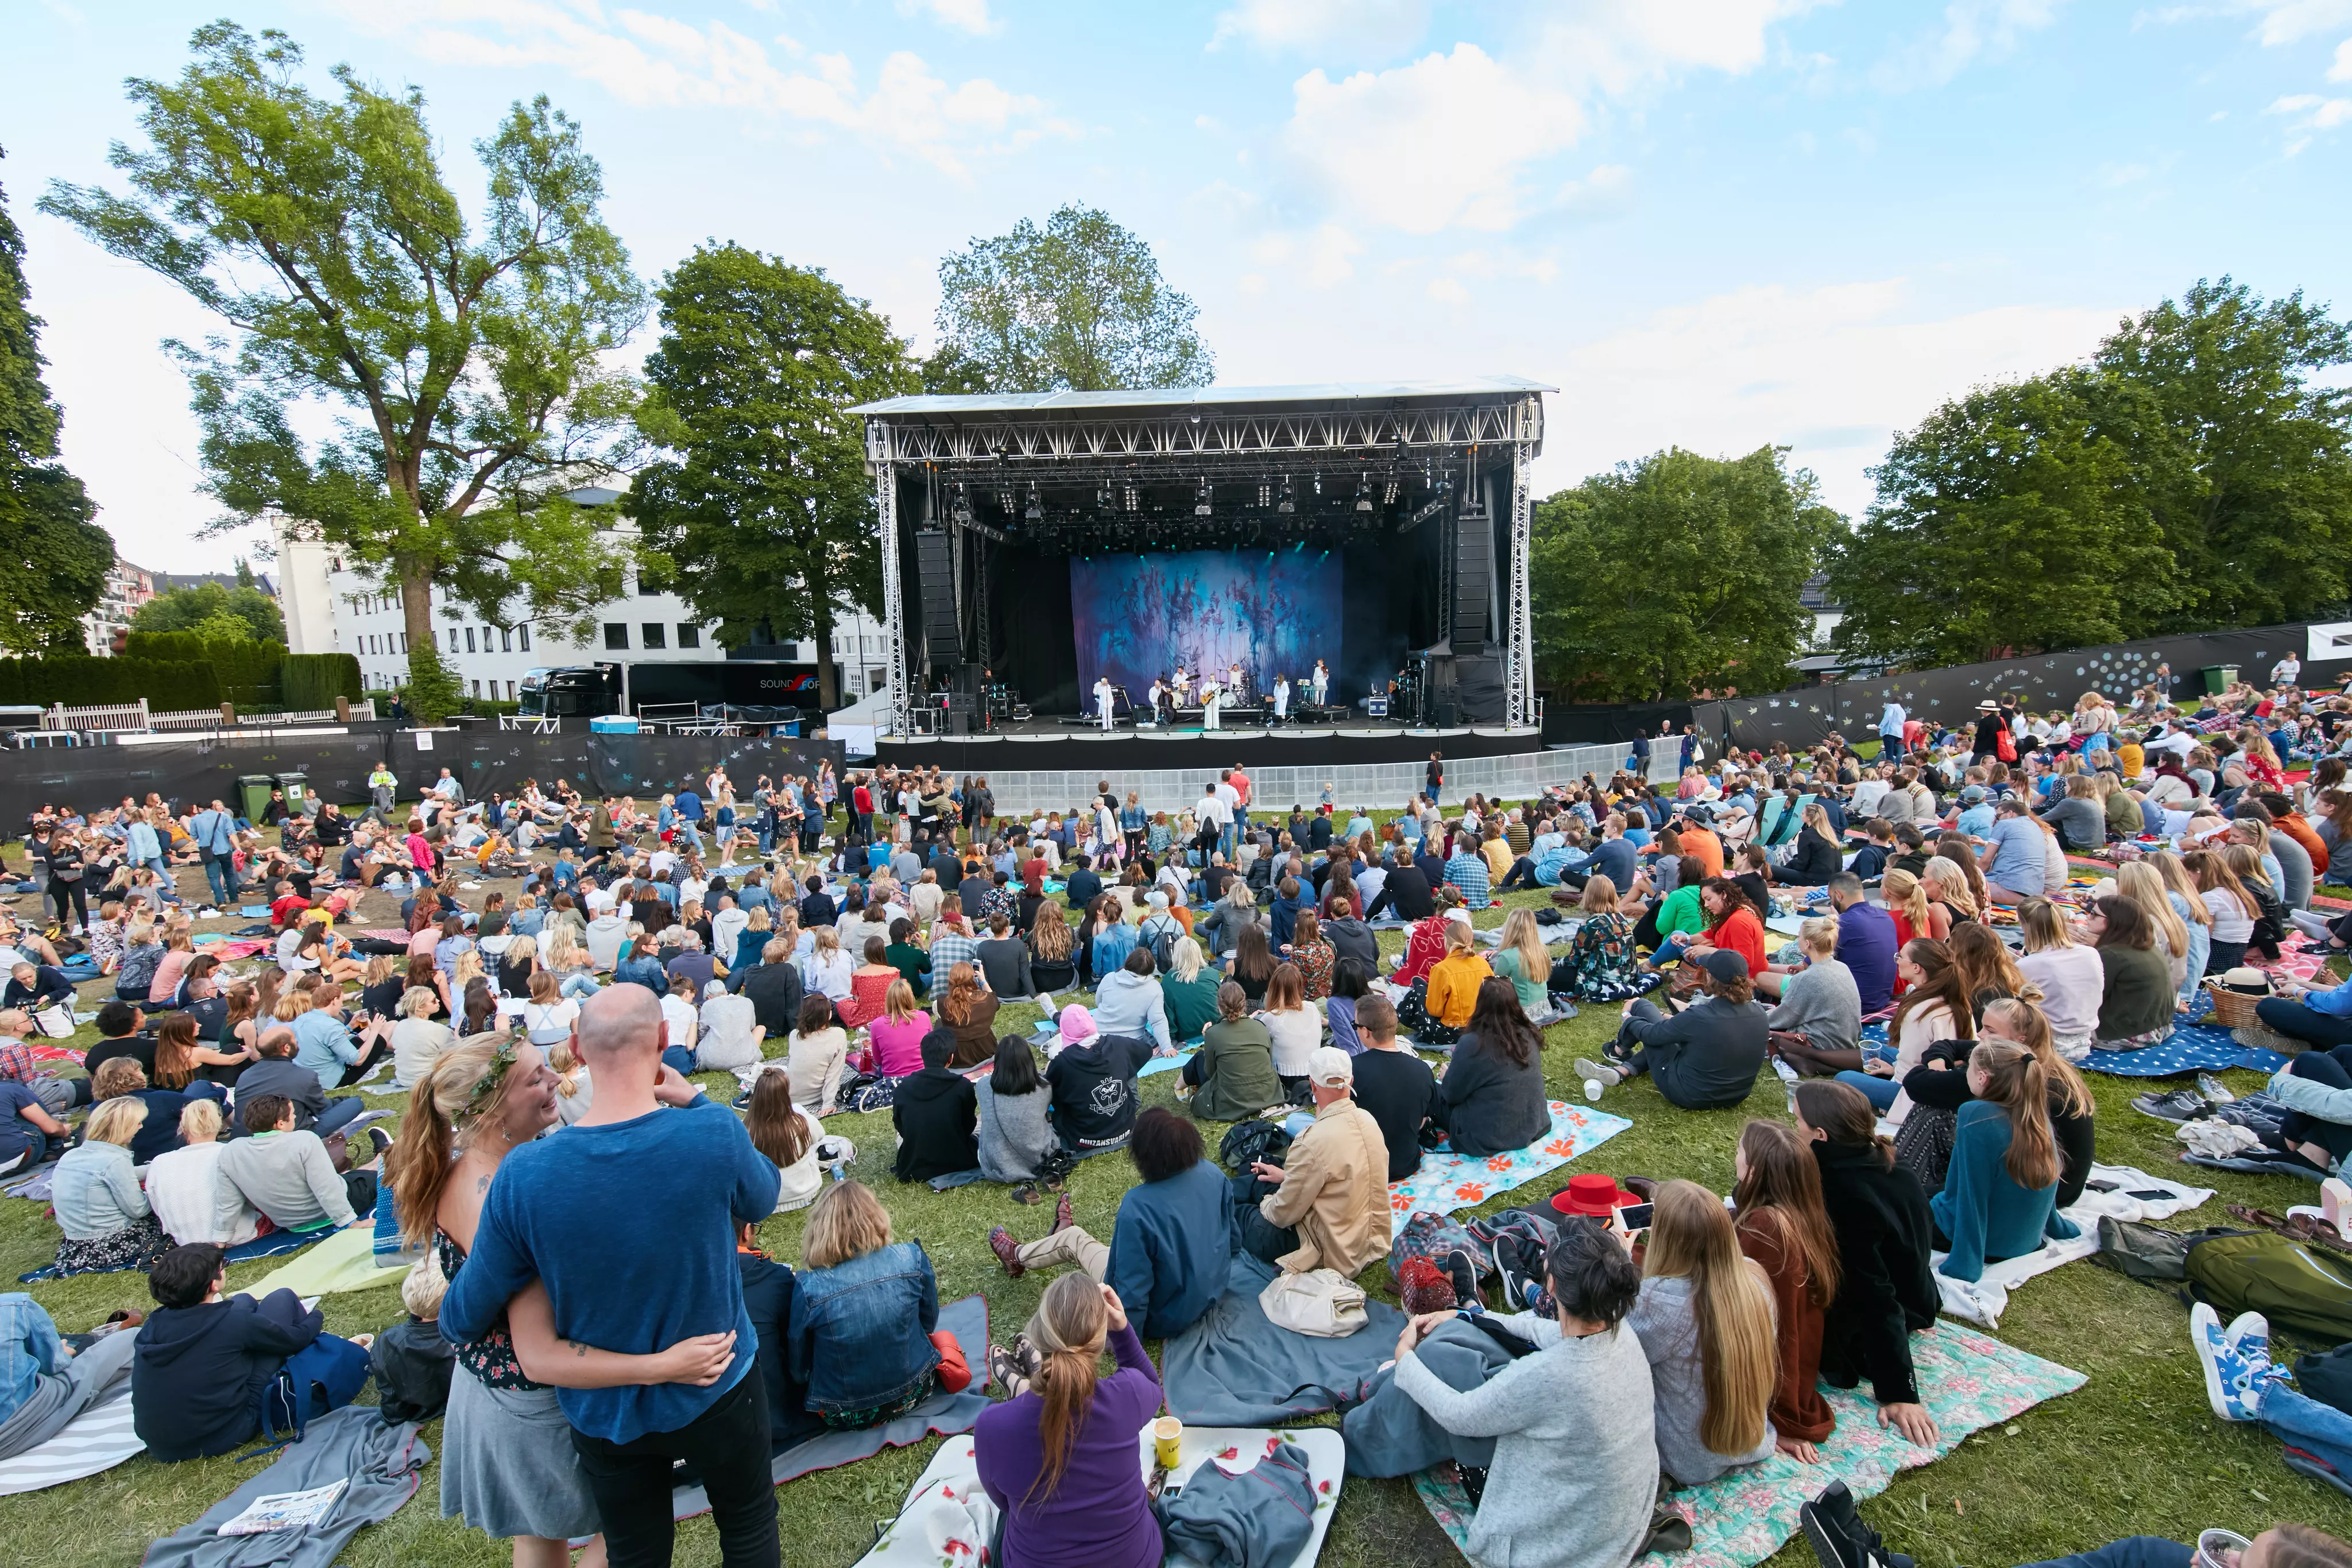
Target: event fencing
<point>1379,785</point>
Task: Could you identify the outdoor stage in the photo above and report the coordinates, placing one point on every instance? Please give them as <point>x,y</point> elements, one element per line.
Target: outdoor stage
<point>1037,549</point>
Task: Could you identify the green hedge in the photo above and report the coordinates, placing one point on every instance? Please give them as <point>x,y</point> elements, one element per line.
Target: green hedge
<point>308,683</point>
<point>249,673</point>
<point>169,685</point>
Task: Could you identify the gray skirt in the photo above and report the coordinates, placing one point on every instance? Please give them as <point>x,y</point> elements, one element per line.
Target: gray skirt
<point>508,1466</point>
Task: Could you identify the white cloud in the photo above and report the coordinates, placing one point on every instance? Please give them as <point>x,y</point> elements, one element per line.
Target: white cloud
<point>2340,68</point>
<point>1445,141</point>
<point>1361,29</point>
<point>1971,30</point>
<point>1605,193</point>
<point>964,15</point>
<point>1447,291</point>
<point>644,58</point>
<point>1429,145</point>
<point>2295,20</point>
<point>2311,114</point>
<point>1832,371</point>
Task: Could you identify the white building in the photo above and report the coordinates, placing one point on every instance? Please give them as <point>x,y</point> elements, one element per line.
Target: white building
<point>304,598</point>
<point>127,588</point>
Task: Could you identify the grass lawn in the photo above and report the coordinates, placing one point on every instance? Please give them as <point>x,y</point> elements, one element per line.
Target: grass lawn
<point>2135,1451</point>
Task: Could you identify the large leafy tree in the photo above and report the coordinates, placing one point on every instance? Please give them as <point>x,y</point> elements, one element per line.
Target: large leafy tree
<point>1078,304</point>
<point>2245,462</point>
<point>239,614</point>
<point>55,559</point>
<point>2008,522</point>
<point>763,507</point>
<point>1677,575</point>
<point>468,370</point>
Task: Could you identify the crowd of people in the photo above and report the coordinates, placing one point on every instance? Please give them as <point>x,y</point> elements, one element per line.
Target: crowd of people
<point>847,948</point>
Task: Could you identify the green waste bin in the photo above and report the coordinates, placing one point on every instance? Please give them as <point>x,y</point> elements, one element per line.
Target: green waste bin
<point>2219,678</point>
<point>252,795</point>
<point>298,792</point>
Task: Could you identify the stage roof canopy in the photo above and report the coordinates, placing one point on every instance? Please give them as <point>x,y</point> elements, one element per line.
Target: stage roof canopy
<point>1203,397</point>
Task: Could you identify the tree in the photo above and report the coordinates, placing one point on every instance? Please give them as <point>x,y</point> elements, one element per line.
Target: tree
<point>1078,304</point>
<point>2008,522</point>
<point>240,613</point>
<point>56,559</point>
<point>470,372</point>
<point>765,512</point>
<point>2246,465</point>
<point>1677,575</point>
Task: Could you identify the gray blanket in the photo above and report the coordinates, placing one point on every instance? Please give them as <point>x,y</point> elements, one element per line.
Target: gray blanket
<point>1261,1518</point>
<point>1388,1434</point>
<point>944,1414</point>
<point>1234,1368</point>
<point>352,1443</point>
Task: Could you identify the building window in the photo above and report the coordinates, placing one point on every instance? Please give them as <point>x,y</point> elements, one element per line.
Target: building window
<point>657,634</point>
<point>510,691</point>
<point>506,639</point>
<point>525,629</point>
<point>488,642</point>
<point>470,643</point>
<point>476,687</point>
<point>404,642</point>
<point>616,633</point>
<point>690,635</point>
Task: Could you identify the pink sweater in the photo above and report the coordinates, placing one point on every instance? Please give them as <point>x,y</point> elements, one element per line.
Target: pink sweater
<point>898,1047</point>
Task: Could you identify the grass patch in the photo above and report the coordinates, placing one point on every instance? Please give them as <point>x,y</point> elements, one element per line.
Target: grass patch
<point>2135,1451</point>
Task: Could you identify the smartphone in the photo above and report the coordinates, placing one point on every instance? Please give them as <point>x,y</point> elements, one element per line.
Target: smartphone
<point>2152,1194</point>
<point>1636,1216</point>
<point>2096,1185</point>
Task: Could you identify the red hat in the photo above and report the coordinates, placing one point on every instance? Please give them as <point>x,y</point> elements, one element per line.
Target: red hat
<point>1595,1195</point>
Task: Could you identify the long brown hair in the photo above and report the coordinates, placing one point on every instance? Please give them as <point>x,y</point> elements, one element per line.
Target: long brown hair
<point>2213,875</point>
<point>1067,1330</point>
<point>441,1114</point>
<point>2014,1082</point>
<point>1841,1113</point>
<point>775,1125</point>
<point>1985,965</point>
<point>1784,1182</point>
<point>1943,983</point>
<point>1691,1238</point>
<point>2032,1028</point>
<point>1049,936</point>
<point>963,991</point>
<point>175,1044</point>
<point>1496,1019</point>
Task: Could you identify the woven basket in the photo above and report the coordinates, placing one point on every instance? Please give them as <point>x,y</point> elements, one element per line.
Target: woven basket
<point>2232,1010</point>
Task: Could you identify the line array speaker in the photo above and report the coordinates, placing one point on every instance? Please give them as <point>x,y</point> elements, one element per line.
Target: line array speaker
<point>1473,579</point>
<point>935,575</point>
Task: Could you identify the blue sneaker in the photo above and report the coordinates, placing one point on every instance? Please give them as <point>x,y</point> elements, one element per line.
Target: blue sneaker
<point>2226,1373</point>
<point>2249,1334</point>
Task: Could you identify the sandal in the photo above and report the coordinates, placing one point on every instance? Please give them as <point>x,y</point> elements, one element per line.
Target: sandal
<point>1027,1193</point>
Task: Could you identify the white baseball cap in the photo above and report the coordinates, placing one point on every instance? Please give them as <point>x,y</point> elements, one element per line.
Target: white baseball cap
<point>1329,1067</point>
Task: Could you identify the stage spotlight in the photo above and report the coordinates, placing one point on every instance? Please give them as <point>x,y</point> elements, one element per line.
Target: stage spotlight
<point>1285,506</point>
<point>1201,508</point>
<point>1363,498</point>
<point>1132,499</point>
<point>1035,512</point>
<point>1265,493</point>
<point>1389,494</point>
<point>1318,481</point>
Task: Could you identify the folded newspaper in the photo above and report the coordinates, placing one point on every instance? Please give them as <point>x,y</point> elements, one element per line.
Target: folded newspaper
<point>285,1511</point>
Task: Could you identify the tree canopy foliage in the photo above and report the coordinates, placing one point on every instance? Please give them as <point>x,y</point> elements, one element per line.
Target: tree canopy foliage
<point>56,558</point>
<point>1677,575</point>
<point>1078,304</point>
<point>214,612</point>
<point>2191,475</point>
<point>764,509</point>
<point>471,369</point>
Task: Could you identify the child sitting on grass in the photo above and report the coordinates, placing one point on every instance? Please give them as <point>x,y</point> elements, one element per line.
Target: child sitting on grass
<point>411,1361</point>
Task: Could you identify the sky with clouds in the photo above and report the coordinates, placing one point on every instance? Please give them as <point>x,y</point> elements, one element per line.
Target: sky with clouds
<point>1715,224</point>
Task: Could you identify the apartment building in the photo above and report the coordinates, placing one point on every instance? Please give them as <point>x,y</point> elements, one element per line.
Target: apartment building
<point>127,588</point>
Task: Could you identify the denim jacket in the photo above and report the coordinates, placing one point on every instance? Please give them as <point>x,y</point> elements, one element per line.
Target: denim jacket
<point>859,1334</point>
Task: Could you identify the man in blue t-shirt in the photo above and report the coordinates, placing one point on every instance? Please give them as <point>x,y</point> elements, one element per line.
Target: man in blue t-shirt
<point>2016,856</point>
<point>1865,941</point>
<point>628,1217</point>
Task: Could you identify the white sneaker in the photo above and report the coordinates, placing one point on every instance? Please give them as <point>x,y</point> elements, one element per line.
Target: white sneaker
<point>2225,1371</point>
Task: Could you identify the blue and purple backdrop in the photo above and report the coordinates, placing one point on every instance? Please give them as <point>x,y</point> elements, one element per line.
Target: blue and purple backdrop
<point>1139,616</point>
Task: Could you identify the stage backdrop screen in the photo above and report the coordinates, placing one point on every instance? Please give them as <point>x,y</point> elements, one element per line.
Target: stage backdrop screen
<point>1138,616</point>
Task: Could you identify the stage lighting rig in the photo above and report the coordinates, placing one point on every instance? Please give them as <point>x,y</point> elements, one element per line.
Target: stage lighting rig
<point>1035,511</point>
<point>1364,496</point>
<point>1200,507</point>
<point>1286,505</point>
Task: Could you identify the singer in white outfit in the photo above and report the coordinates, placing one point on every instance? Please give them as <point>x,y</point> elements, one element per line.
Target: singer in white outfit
<point>1210,700</point>
<point>1320,683</point>
<point>1102,699</point>
<point>1281,699</point>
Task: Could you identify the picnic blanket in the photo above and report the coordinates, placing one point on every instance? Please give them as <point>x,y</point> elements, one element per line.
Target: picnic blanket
<point>1447,1181</point>
<point>1983,1301</point>
<point>345,1261</point>
<point>940,1414</point>
<point>2192,1048</point>
<point>1234,1369</point>
<point>949,1518</point>
<point>268,1246</point>
<point>1968,1381</point>
<point>98,1439</point>
<point>229,947</point>
<point>380,1463</point>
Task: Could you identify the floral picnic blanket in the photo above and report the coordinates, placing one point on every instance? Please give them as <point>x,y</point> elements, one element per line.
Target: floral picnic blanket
<point>1968,1381</point>
<point>1447,1181</point>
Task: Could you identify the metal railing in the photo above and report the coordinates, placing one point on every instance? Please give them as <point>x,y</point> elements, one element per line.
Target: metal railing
<point>138,718</point>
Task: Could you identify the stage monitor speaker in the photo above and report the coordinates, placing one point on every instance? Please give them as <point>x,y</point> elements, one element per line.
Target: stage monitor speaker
<point>935,575</point>
<point>1474,577</point>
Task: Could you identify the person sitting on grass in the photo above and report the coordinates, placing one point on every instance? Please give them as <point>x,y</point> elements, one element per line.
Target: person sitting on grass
<point>1454,979</point>
<point>203,1358</point>
<point>1325,1205</point>
<point>864,1334</point>
<point>935,1113</point>
<point>1705,1320</point>
<point>2000,1194</point>
<point>1170,1248</point>
<point>123,1079</point>
<point>1189,990</point>
<point>815,1055</point>
<point>185,1185</point>
<point>288,1174</point>
<point>1233,1073</point>
<point>1575,1470</point>
<point>1016,1129</point>
<point>1058,1457</point>
<point>1817,1028</point>
<point>1394,1085</point>
<point>1092,1077</point>
<point>102,1210</point>
<point>1703,1056</point>
<point>1491,1100</point>
<point>413,1365</point>
<point>1784,1230</point>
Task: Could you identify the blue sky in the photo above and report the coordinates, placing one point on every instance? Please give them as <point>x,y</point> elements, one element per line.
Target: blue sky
<point>1713,224</point>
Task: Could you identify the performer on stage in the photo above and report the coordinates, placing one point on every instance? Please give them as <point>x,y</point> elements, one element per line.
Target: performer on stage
<point>1234,683</point>
<point>1320,683</point>
<point>1281,700</point>
<point>1159,699</point>
<point>1184,688</point>
<point>1212,699</point>
<point>1102,700</point>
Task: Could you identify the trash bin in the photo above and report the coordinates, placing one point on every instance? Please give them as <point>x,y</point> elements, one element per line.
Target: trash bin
<point>298,792</point>
<point>252,795</point>
<point>2219,678</point>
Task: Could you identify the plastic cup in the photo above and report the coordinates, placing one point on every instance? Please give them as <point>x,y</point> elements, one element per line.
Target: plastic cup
<point>2218,1547</point>
<point>1593,1089</point>
<point>1167,1435</point>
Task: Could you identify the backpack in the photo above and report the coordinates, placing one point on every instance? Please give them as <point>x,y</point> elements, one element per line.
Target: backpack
<point>1160,934</point>
<point>2294,1284</point>
<point>1254,1140</point>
